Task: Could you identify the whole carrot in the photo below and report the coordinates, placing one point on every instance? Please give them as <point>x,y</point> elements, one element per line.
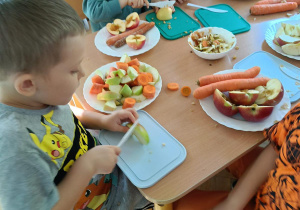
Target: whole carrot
<point>249,73</point>
<point>276,1</point>
<point>264,9</point>
<point>227,85</point>
<point>114,39</point>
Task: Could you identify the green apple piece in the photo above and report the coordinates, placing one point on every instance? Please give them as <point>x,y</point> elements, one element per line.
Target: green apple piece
<point>125,58</point>
<point>142,67</point>
<point>132,73</point>
<point>140,133</point>
<point>99,72</point>
<point>137,90</point>
<point>154,73</point>
<point>115,88</point>
<point>125,79</point>
<point>138,98</point>
<point>126,91</point>
<point>110,106</point>
<point>121,73</point>
<point>108,96</point>
<point>113,81</point>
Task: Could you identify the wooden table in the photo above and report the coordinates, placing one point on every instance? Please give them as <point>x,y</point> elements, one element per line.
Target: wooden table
<point>210,146</point>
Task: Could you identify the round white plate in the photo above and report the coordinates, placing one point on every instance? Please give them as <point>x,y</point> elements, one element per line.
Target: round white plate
<point>237,122</point>
<point>91,99</point>
<point>270,34</point>
<point>152,38</point>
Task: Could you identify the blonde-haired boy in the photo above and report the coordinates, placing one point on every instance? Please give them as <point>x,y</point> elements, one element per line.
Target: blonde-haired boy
<point>48,159</point>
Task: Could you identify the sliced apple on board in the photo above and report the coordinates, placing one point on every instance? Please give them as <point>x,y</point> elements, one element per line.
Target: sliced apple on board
<point>140,133</point>
<point>255,113</point>
<point>271,94</point>
<point>223,104</point>
<point>164,13</point>
<point>136,42</point>
<point>117,27</point>
<point>243,97</point>
<point>132,20</point>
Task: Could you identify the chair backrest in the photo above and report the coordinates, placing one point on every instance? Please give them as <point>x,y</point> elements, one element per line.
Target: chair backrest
<point>77,6</point>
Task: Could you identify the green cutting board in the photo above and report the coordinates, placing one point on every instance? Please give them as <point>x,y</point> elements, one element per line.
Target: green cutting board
<point>230,20</point>
<point>181,24</point>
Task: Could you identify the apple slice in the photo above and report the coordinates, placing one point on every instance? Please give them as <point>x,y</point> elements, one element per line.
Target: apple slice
<point>291,49</point>
<point>132,20</point>
<point>140,133</point>
<point>255,113</point>
<point>223,104</point>
<point>136,41</point>
<point>271,94</point>
<point>286,39</point>
<point>117,27</point>
<point>243,97</point>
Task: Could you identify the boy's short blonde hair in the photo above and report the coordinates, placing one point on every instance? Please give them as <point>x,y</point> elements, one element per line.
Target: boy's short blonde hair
<point>32,34</point>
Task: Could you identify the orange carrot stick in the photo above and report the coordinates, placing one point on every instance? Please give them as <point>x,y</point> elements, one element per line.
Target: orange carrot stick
<point>272,8</point>
<point>149,91</point>
<point>185,91</point>
<point>173,86</point>
<point>128,103</point>
<point>114,39</point>
<point>142,79</point>
<point>227,85</point>
<point>208,79</point>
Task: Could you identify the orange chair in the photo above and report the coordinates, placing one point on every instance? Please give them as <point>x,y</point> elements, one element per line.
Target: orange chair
<point>77,6</point>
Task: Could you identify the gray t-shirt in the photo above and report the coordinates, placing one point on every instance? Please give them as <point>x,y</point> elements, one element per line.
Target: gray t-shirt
<point>37,148</point>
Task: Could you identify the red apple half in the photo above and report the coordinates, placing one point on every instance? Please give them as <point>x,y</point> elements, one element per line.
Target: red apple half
<point>243,97</point>
<point>223,104</point>
<point>255,113</point>
<point>136,41</point>
<point>117,27</point>
<point>132,20</point>
<point>271,94</point>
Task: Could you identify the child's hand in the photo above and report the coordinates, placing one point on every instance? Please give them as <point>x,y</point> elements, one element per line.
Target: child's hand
<point>102,158</point>
<point>138,3</point>
<point>180,1</point>
<point>114,121</point>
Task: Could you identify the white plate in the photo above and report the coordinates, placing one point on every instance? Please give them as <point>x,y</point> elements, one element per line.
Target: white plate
<point>270,34</point>
<point>91,99</point>
<point>237,122</point>
<point>152,38</point>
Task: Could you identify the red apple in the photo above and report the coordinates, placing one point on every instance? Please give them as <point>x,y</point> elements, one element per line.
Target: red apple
<point>117,27</point>
<point>255,113</point>
<point>136,41</point>
<point>243,97</point>
<point>271,94</point>
<point>223,104</point>
<point>286,39</point>
<point>132,20</point>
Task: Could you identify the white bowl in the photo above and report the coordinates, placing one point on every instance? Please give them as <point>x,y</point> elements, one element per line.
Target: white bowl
<point>224,34</point>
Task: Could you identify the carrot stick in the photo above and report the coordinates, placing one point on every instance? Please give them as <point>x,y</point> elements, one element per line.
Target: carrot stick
<point>208,79</point>
<point>272,8</point>
<point>227,85</point>
<point>173,86</point>
<point>185,91</point>
<point>149,91</point>
<point>114,39</point>
<point>128,103</point>
<point>142,79</point>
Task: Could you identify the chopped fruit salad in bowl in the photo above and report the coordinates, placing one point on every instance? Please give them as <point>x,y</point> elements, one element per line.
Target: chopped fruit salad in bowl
<point>212,42</point>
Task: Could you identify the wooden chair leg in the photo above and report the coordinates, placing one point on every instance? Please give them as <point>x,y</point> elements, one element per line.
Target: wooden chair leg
<point>168,206</point>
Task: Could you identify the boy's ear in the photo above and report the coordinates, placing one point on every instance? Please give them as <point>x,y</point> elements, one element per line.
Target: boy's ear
<point>24,84</point>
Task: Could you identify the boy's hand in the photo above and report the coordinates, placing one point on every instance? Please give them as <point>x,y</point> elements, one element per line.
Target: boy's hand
<point>138,3</point>
<point>114,121</point>
<point>102,158</point>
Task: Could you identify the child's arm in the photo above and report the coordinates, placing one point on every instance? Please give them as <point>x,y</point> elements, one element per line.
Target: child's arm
<point>249,183</point>
<point>113,122</point>
<point>98,160</point>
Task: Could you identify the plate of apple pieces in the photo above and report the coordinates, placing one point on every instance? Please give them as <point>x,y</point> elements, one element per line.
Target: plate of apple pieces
<point>131,36</point>
<point>248,109</point>
<point>284,38</point>
<point>127,83</point>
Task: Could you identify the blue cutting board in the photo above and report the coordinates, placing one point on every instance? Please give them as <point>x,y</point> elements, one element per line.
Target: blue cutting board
<point>144,165</point>
<point>270,67</point>
<point>181,24</point>
<point>230,20</point>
